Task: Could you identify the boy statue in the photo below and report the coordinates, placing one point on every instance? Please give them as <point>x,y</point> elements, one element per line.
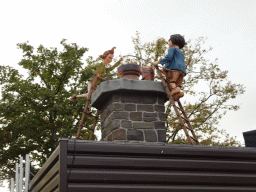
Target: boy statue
<point>174,65</point>
<point>107,59</point>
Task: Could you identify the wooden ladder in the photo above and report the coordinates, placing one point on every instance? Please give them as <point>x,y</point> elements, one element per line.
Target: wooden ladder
<point>182,117</point>
<point>87,107</point>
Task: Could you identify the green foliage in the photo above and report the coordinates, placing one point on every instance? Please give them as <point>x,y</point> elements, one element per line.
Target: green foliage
<point>36,111</point>
<point>206,87</point>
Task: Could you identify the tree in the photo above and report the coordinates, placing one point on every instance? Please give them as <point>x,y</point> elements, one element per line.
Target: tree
<point>36,111</point>
<point>204,106</point>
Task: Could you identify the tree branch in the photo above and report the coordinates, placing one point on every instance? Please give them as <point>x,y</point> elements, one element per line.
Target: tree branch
<point>58,89</point>
<point>204,100</point>
<point>175,134</point>
<point>216,109</point>
<point>38,68</point>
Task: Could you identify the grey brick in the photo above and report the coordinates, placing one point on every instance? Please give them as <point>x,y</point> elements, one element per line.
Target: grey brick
<point>115,97</point>
<point>149,99</point>
<point>104,115</point>
<point>131,98</point>
<point>126,124</point>
<point>161,116</point>
<point>136,116</point>
<point>119,134</point>
<point>148,108</point>
<point>150,135</point>
<point>130,107</point>
<point>104,106</point>
<point>145,114</point>
<point>161,100</point>
<point>159,108</point>
<point>161,135</point>
<point>143,125</point>
<point>159,125</point>
<point>120,115</point>
<point>115,124</point>
<point>133,134</point>
<point>107,121</point>
<point>102,128</point>
<point>108,137</point>
<point>103,134</point>
<point>115,107</point>
<point>149,119</point>
<point>107,112</point>
<point>101,121</point>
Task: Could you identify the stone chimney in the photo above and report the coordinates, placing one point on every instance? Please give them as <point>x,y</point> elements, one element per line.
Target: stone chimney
<point>131,110</point>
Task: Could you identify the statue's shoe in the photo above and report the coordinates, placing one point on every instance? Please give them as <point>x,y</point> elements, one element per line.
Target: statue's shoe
<point>178,96</point>
<point>175,90</point>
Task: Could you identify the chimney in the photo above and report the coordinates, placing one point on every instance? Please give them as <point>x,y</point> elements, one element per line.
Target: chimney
<point>131,110</point>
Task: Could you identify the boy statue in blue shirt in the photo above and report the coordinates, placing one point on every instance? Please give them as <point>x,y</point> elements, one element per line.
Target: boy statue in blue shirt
<point>174,65</point>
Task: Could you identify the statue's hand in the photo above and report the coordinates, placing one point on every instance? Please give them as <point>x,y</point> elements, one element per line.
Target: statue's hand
<point>156,63</point>
<point>120,60</point>
<point>73,97</point>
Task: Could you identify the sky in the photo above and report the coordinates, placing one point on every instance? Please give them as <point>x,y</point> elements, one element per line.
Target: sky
<point>100,25</point>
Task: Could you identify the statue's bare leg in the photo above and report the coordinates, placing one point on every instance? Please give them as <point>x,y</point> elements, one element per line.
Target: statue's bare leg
<point>85,94</point>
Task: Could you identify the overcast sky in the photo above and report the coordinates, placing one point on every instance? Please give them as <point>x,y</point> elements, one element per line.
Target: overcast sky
<point>99,25</point>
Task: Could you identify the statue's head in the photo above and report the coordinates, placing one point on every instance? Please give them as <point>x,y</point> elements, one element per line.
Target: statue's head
<point>177,39</point>
<point>108,56</point>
